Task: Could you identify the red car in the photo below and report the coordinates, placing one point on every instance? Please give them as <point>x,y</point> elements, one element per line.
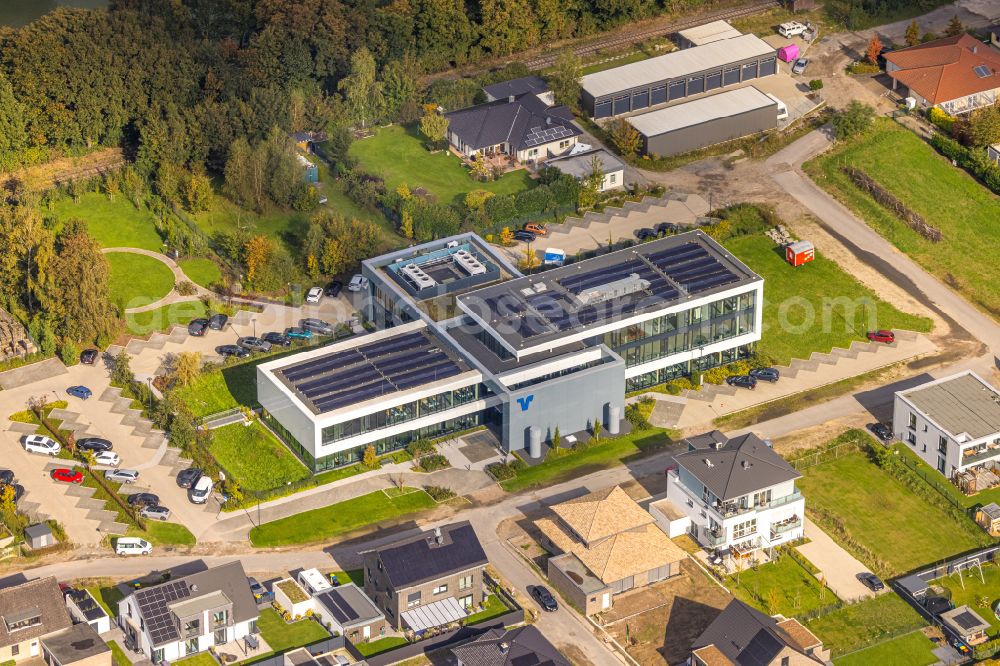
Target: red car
<point>67,475</point>
<point>887,337</point>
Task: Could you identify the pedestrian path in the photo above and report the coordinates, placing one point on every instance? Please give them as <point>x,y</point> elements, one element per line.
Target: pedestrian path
<point>838,568</point>
<point>179,276</point>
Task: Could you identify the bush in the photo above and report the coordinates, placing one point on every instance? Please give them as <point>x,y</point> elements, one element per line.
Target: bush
<point>505,471</point>
<point>862,67</point>
<point>69,353</point>
<point>185,288</point>
<point>941,119</point>
<point>637,413</point>
<point>421,447</point>
<point>816,84</point>
<point>433,462</point>
<point>438,493</point>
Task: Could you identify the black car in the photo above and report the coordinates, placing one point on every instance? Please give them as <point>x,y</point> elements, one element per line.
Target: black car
<point>95,444</point>
<point>89,356</point>
<point>188,477</point>
<point>766,374</point>
<point>139,500</point>
<point>6,476</point>
<point>259,592</point>
<point>544,598</point>
<point>871,581</point>
<point>217,322</point>
<point>645,234</point>
<point>332,290</point>
<point>526,236</point>
<point>665,228</point>
<point>882,431</point>
<point>317,326</point>
<point>198,327</point>
<point>742,381</point>
<point>232,350</point>
<point>276,339</point>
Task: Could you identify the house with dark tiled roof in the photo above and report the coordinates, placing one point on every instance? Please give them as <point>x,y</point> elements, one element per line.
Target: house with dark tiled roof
<point>956,74</point>
<point>523,646</point>
<point>535,85</point>
<point>29,612</point>
<point>743,636</point>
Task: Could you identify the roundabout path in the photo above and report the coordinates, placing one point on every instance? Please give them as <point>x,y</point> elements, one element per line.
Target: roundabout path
<point>179,276</point>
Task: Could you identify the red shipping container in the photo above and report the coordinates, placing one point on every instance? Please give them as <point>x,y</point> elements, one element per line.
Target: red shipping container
<point>799,252</point>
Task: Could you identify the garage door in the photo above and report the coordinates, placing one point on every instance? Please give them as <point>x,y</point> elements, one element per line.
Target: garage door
<point>750,71</point>
<point>768,67</point>
<point>658,95</point>
<point>731,76</point>
<point>713,81</point>
<point>696,84</point>
<point>603,109</point>
<point>676,90</point>
<point>640,100</point>
<point>621,104</point>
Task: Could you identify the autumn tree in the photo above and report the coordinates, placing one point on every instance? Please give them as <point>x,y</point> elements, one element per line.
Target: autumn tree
<point>370,459</point>
<point>78,295</point>
<point>257,252</point>
<point>434,126</point>
<point>406,224</point>
<point>187,367</point>
<point>983,128</point>
<point>506,236</point>
<point>362,90</point>
<point>197,192</point>
<point>625,137</point>
<point>955,27</point>
<point>874,49</point>
<point>564,80</point>
<point>912,36</point>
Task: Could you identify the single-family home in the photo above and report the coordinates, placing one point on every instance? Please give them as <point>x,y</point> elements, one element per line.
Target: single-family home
<point>737,494</point>
<point>952,423</point>
<point>188,615</point>
<point>534,85</point>
<point>580,165</point>
<point>78,645</point>
<point>83,607</point>
<point>347,610</point>
<point>29,612</point>
<point>427,580</point>
<point>741,634</point>
<point>605,544</point>
<point>956,74</point>
<point>966,625</point>
<point>523,128</point>
<point>523,646</point>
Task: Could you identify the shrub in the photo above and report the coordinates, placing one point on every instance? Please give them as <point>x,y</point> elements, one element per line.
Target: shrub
<point>816,84</point>
<point>69,352</point>
<point>637,414</point>
<point>438,493</point>
<point>433,462</point>
<point>421,447</point>
<point>185,288</point>
<point>941,119</point>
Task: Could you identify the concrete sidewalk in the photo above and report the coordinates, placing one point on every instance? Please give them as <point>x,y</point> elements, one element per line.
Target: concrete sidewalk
<point>839,568</point>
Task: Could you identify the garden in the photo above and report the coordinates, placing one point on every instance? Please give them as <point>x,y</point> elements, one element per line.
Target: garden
<point>254,457</point>
<point>873,621</point>
<point>979,590</point>
<point>137,280</point>
<point>912,649</point>
<point>283,636</point>
<point>786,585</point>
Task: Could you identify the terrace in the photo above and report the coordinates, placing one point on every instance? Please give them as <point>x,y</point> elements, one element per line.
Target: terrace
<point>779,528</point>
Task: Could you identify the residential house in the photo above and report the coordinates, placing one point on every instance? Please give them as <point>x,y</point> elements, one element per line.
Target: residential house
<point>83,607</point>
<point>347,610</point>
<point>519,127</point>
<point>956,74</point>
<point>523,646</point>
<point>188,615</point>
<point>535,85</point>
<point>427,580</point>
<point>78,645</point>
<point>741,635</point>
<point>737,493</point>
<point>605,544</point>
<point>580,165</point>
<point>952,424</point>
<point>29,612</point>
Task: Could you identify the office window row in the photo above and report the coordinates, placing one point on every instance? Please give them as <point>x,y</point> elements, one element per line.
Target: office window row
<point>664,375</point>
<point>675,321</point>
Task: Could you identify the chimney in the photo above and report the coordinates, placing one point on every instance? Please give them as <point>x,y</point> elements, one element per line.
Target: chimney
<point>510,99</point>
<point>438,539</point>
<point>975,48</point>
<point>504,647</point>
<point>548,120</point>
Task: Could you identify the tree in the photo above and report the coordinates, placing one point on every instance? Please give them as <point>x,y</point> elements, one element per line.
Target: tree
<point>625,137</point>
<point>78,296</point>
<point>370,457</point>
<point>187,367</point>
<point>565,79</point>
<point>361,89</point>
<point>434,126</point>
<point>874,49</point>
<point>529,260</point>
<point>121,371</point>
<point>406,224</point>
<point>13,134</point>
<point>556,438</point>
<point>197,191</point>
<point>507,26</point>
<point>912,35</point>
<point>955,27</point>
<point>506,236</point>
<point>597,428</point>
<point>399,88</point>
<point>853,120</point>
<point>257,252</point>
<point>983,128</point>
<point>592,184</point>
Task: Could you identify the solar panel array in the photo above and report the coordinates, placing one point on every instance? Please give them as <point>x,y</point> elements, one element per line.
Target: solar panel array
<point>154,605</point>
<point>339,608</point>
<point>91,611</point>
<point>967,620</point>
<point>537,136</point>
<point>353,376</point>
<point>691,266</point>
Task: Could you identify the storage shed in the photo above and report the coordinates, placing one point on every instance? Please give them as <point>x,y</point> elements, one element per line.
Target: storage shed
<point>800,252</point>
<point>988,517</point>
<point>966,624</point>
<point>706,34</point>
<point>39,536</point>
<point>788,53</point>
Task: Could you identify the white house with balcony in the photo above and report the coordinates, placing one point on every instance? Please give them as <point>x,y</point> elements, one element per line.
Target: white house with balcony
<point>953,423</point>
<point>736,495</point>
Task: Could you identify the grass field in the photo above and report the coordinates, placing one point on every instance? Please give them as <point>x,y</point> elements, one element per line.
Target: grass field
<point>397,154</point>
<point>634,56</point>
<point>201,270</point>
<point>160,533</point>
<point>283,636</point>
<point>862,624</point>
<point>338,519</point>
<point>913,649</point>
<point>780,587</point>
<point>254,457</point>
<point>814,307</point>
<point>118,656</point>
<point>113,223</point>
<point>934,477</point>
<point>138,280</point>
<point>947,197</point>
<point>107,597</point>
<point>380,645</point>
<point>161,319</point>
<point>200,659</point>
<point>975,590</point>
<point>492,607</point>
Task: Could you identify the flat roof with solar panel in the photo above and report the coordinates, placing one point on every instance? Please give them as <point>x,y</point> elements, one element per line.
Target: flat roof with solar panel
<point>540,309</point>
<point>349,606</point>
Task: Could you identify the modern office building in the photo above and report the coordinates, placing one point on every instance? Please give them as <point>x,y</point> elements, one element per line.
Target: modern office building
<point>466,340</point>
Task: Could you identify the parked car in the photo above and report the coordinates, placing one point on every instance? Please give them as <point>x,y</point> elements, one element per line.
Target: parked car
<point>81,392</point>
<point>333,289</point>
<point>200,491</point>
<point>94,444</point>
<point>260,593</point>
<point>544,598</point>
<point>881,430</point>
<point>314,295</point>
<point>274,338</point>
<point>666,228</point>
<point>800,65</point>
<point>226,351</point>
<point>89,356</point>
<point>6,477</point>
<point>132,546</point>
<point>188,477</point>
<point>526,236</point>
<point>66,475</point>
<point>298,333</point>
<point>198,327</point>
<point>871,581</point>
<point>156,512</point>
<point>41,444</point>
<point>18,490</point>
<point>142,499</point>
<point>109,458</point>
<point>254,344</point>
<point>791,29</point>
<point>357,283</point>
<point>742,381</point>
<point>317,326</point>
<point>766,374</point>
<point>645,234</point>
<point>882,335</point>
<point>122,475</point>
<point>536,228</point>
<point>218,321</point>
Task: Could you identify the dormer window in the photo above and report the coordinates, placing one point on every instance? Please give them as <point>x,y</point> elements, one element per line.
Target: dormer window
<point>23,620</point>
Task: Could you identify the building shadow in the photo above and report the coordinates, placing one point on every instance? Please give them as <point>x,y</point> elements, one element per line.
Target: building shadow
<point>879,401</point>
<point>688,620</point>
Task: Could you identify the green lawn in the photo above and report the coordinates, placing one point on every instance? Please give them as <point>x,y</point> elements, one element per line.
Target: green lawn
<point>814,307</point>
<point>380,645</point>
<point>492,607</point>
<point>975,590</point>
<point>201,270</point>
<point>946,196</point>
<point>161,533</point>
<point>113,223</point>
<point>161,319</point>
<point>200,659</point>
<point>634,56</point>
<point>255,457</point>
<point>138,280</point>
<point>283,636</point>
<point>932,476</point>
<point>118,656</point>
<point>338,519</point>
<point>397,154</point>
<point>913,649</point>
<point>107,597</point>
<point>859,625</point>
<point>608,453</point>
<point>781,587</point>
<point>901,529</point>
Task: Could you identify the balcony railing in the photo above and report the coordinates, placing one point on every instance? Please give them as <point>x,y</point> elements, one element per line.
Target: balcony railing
<point>781,501</point>
<point>714,538</point>
<point>974,458</point>
<point>786,525</point>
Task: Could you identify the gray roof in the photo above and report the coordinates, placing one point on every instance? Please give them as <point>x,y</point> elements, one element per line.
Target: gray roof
<point>75,644</point>
<point>420,558</point>
<point>349,605</point>
<point>535,85</point>
<point>745,636</point>
<point>962,403</point>
<point>964,621</point>
<point>707,33</point>
<point>39,598</point>
<point>523,123</point>
<point>524,646</point>
<point>85,602</point>
<point>579,165</point>
<point>675,65</point>
<point>992,510</point>
<point>703,110</point>
<point>37,530</point>
<point>739,466</point>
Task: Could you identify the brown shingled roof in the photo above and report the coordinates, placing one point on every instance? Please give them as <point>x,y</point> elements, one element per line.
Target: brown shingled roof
<point>945,69</point>
<point>602,513</point>
<point>41,599</point>
<point>805,639</point>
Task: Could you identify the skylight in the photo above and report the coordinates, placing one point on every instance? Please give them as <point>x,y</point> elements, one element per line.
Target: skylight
<point>982,71</point>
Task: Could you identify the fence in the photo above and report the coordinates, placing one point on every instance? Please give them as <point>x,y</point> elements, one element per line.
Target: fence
<point>934,480</point>
<point>808,460</point>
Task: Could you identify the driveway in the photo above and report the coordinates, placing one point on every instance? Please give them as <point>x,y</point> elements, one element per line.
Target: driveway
<point>839,568</point>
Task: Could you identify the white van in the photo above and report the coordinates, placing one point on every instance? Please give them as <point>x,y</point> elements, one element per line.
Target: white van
<point>199,492</point>
<point>791,29</point>
<point>782,109</point>
<point>132,546</point>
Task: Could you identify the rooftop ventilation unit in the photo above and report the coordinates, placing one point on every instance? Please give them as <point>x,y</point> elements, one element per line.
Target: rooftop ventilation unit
<point>612,290</point>
<point>468,263</point>
<point>417,276</point>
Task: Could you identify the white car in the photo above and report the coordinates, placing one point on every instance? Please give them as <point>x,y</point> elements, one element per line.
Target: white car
<point>314,295</point>
<point>109,458</point>
<point>791,29</point>
<point>132,546</point>
<point>357,283</point>
<point>199,492</point>
<point>41,444</point>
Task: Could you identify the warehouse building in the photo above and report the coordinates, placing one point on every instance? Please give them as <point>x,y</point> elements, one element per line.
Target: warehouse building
<point>678,75</point>
<point>706,121</point>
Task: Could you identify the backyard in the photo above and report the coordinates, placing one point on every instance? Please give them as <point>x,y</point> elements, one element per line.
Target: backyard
<point>951,200</point>
<point>867,623</point>
<point>282,636</point>
<point>783,586</point>
<point>115,223</point>
<point>254,457</point>
<point>912,649</point>
<point>974,591</point>
<point>137,280</point>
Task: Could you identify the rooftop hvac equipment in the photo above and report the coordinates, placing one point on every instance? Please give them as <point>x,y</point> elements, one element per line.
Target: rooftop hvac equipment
<point>468,263</point>
<point>417,276</point>
<point>616,289</point>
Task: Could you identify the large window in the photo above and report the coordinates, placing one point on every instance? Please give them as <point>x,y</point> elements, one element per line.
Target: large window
<point>746,529</point>
<point>465,583</point>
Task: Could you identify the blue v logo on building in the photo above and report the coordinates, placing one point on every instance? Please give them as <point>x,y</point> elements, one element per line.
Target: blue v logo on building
<point>525,402</point>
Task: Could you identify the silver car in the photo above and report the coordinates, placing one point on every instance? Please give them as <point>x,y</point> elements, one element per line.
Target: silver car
<point>122,475</point>
<point>155,512</point>
<point>254,344</point>
<point>800,65</point>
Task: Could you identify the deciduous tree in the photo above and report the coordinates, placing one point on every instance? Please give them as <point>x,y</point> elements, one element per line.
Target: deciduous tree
<point>434,126</point>
<point>564,80</point>
<point>983,128</point>
<point>625,137</point>
<point>912,36</point>
<point>361,89</point>
<point>257,252</point>
<point>874,49</point>
<point>853,120</point>
<point>78,297</point>
<point>187,367</point>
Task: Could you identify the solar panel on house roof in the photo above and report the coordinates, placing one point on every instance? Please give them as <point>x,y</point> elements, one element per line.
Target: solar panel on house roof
<point>154,607</point>
<point>338,607</point>
<point>541,135</point>
<point>967,620</point>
